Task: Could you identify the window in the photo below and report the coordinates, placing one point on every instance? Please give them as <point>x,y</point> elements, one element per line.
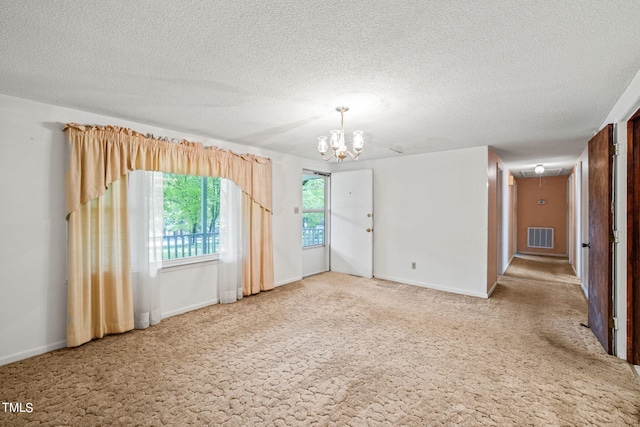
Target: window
<point>191,214</point>
<point>313,209</point>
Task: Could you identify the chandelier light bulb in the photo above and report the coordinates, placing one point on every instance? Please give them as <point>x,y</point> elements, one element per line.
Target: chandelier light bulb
<point>358,141</point>
<point>335,139</point>
<point>539,169</point>
<point>342,146</point>
<point>322,145</point>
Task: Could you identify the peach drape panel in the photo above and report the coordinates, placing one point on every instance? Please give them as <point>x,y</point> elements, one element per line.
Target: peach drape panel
<point>257,265</point>
<point>100,156</point>
<point>99,296</point>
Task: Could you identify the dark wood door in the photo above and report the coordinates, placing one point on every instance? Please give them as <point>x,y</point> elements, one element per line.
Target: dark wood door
<point>600,237</point>
<point>633,239</point>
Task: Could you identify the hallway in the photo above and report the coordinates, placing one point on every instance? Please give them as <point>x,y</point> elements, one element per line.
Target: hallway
<point>541,268</point>
<point>551,310</point>
<point>545,269</point>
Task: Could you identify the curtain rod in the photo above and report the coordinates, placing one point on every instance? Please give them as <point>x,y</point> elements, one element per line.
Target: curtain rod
<point>164,138</point>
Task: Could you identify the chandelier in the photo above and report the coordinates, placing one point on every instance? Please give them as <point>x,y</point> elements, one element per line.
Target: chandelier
<point>337,144</point>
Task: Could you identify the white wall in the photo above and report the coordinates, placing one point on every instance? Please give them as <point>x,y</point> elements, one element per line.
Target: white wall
<point>574,203</point>
<point>431,209</point>
<point>622,111</point>
<point>583,162</point>
<point>188,287</point>
<point>33,226</point>
<point>508,219</point>
<point>32,229</point>
<point>314,260</point>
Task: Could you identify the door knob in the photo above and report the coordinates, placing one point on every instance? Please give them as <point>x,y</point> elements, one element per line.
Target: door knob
<point>369,230</point>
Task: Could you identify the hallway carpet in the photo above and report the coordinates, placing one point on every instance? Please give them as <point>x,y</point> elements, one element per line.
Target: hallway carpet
<point>337,350</point>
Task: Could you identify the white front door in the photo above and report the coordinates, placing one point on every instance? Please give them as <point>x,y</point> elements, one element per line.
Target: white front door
<point>352,222</point>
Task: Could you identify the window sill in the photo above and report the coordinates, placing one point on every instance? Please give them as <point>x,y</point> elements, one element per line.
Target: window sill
<point>312,247</point>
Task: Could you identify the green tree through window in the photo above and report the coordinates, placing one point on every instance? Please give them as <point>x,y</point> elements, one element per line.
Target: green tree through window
<point>191,214</point>
<point>313,210</point>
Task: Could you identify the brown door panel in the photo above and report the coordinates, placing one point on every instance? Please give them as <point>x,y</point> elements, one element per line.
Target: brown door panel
<point>600,243</point>
<point>633,239</point>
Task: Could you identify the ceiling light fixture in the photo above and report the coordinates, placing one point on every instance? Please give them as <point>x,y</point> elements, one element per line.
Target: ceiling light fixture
<point>539,169</point>
<point>337,144</point>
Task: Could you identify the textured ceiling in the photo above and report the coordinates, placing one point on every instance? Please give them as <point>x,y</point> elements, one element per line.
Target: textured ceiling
<point>533,79</point>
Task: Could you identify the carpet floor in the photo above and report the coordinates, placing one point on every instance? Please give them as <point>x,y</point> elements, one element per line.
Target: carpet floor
<point>338,350</point>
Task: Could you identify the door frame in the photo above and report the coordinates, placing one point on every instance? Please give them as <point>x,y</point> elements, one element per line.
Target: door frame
<point>499,220</point>
<point>633,239</point>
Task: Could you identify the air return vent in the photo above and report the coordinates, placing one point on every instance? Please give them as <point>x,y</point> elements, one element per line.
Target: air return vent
<point>540,237</point>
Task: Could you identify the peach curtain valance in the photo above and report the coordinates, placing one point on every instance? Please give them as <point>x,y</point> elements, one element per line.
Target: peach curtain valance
<point>100,155</point>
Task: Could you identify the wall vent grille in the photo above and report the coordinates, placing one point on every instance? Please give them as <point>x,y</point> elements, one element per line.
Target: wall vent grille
<point>540,237</point>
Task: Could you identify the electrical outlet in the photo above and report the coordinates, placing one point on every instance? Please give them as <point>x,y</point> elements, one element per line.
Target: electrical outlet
<point>413,265</point>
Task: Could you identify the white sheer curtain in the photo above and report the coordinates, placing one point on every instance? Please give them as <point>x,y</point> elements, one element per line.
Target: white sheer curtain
<point>145,205</point>
<point>231,248</point>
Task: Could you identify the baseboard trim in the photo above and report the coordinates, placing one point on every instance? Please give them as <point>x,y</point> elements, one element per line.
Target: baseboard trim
<point>434,287</point>
<point>493,288</point>
<point>315,273</point>
<point>509,263</point>
<point>543,254</point>
<point>183,310</point>
<point>21,355</point>
<point>287,281</point>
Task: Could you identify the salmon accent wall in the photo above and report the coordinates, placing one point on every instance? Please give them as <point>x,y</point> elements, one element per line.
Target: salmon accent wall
<point>553,213</point>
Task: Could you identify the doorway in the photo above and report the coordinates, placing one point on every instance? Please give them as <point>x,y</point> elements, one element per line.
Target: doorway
<point>315,222</point>
<point>337,222</point>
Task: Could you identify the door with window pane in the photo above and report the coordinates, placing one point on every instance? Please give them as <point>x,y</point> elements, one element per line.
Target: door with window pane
<point>314,223</point>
